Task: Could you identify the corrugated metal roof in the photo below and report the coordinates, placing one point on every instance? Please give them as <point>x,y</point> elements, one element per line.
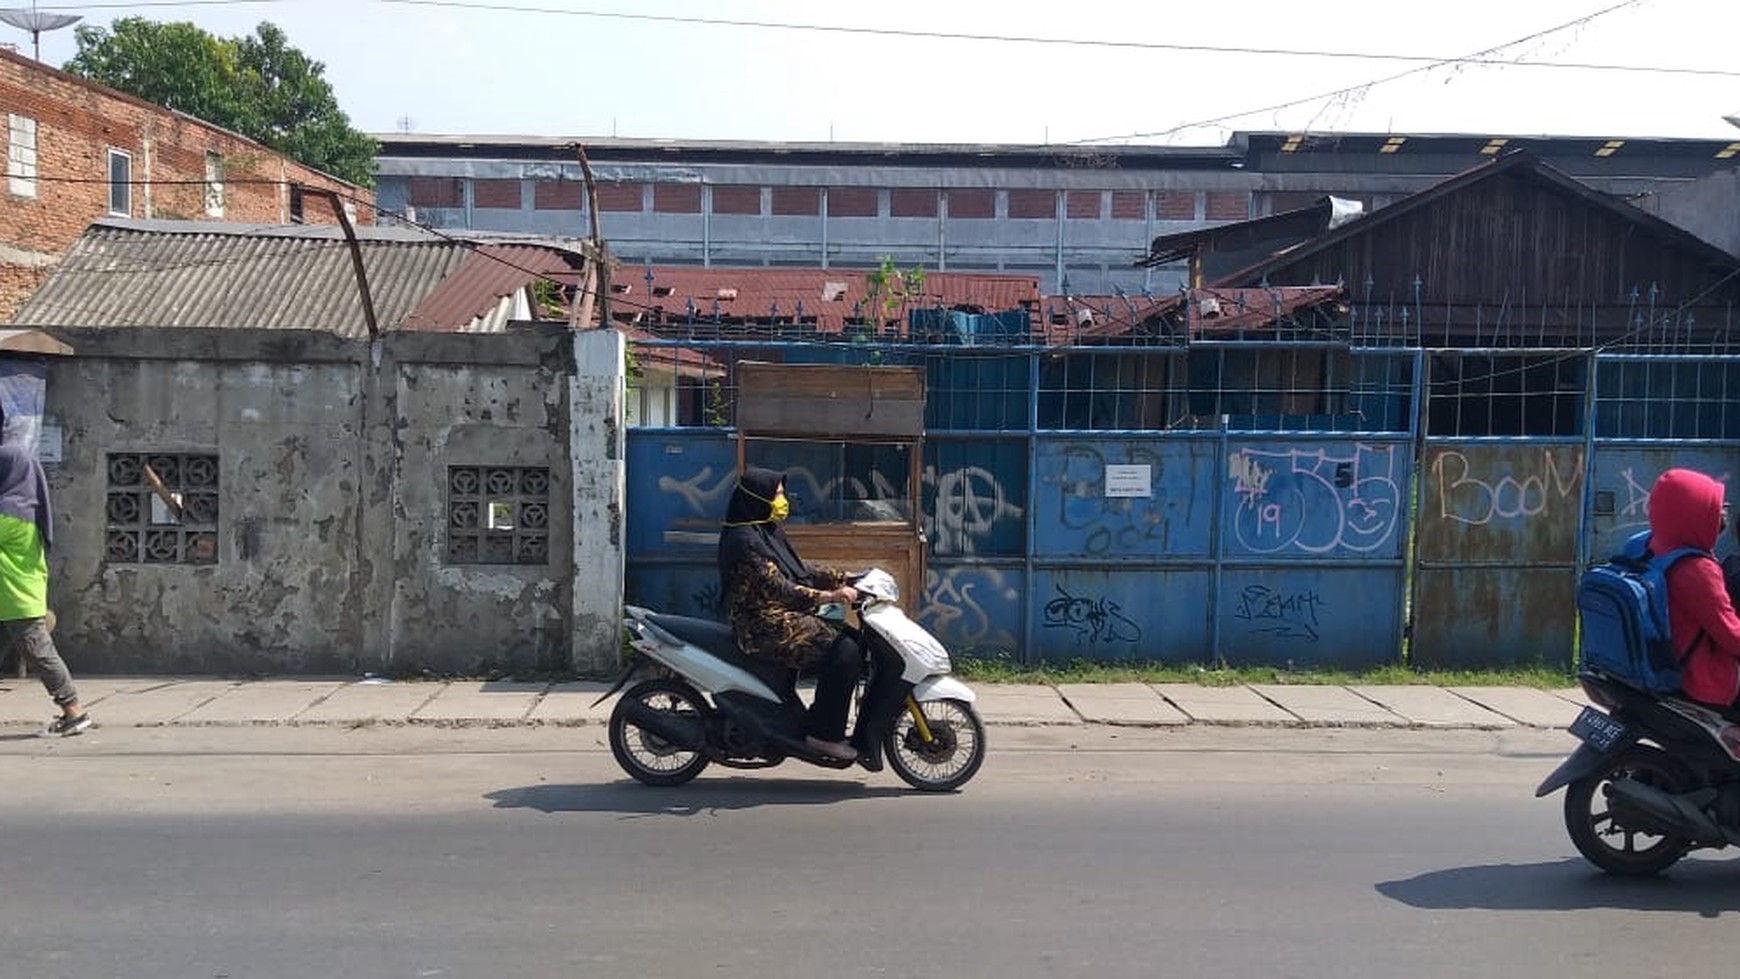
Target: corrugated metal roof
<point>829,297</point>
<point>291,277</point>
<point>483,279</point>
<point>1210,312</point>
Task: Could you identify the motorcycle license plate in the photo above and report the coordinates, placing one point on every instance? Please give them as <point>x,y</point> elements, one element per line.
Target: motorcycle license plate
<point>1597,729</point>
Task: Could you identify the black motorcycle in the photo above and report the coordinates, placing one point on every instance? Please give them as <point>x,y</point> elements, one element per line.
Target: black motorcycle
<point>1655,778</point>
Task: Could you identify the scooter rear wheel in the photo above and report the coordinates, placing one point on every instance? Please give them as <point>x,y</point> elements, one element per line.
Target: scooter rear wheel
<point>950,757</point>
<point>646,756</point>
<point>1613,842</point>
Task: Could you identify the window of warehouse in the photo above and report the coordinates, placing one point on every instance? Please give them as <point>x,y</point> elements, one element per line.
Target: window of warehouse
<point>21,155</point>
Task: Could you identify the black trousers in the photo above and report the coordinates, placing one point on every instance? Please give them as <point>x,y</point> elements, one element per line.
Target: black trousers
<point>882,701</point>
<point>837,672</point>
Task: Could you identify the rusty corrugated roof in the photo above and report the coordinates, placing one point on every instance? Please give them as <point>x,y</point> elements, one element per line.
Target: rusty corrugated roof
<point>483,279</point>
<point>1211,312</point>
<point>289,277</point>
<point>829,297</point>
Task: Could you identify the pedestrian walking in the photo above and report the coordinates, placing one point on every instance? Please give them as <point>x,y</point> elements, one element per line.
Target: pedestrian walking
<point>26,533</point>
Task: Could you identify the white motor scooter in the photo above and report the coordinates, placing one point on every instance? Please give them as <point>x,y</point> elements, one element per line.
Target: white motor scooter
<point>707,702</point>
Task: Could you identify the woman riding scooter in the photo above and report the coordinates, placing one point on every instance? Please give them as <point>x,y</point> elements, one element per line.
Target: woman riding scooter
<point>772,598</point>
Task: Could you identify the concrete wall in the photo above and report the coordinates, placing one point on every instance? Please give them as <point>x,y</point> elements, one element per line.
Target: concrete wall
<point>334,459</point>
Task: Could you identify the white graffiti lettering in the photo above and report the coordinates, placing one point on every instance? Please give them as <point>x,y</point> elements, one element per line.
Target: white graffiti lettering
<point>969,504</point>
<point>699,499</point>
<point>1316,500</point>
<point>1466,497</point>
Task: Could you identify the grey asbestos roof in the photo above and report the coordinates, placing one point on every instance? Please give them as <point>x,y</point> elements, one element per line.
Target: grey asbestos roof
<point>288,277</point>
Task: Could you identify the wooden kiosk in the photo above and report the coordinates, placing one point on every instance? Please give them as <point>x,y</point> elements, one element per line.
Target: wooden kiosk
<point>843,404</point>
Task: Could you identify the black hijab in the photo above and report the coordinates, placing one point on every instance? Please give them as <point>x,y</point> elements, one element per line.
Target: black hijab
<point>24,491</point>
<point>750,531</point>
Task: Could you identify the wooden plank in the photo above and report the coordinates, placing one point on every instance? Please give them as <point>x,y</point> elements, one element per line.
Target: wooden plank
<point>897,548</point>
<point>830,400</point>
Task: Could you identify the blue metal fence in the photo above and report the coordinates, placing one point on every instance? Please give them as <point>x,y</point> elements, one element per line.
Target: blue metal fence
<point>1308,506</point>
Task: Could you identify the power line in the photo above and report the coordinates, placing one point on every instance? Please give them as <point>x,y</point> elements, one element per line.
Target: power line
<point>1478,58</point>
<point>1474,58</point>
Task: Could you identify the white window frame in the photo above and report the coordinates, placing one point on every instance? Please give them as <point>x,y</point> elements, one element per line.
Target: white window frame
<point>21,148</point>
<point>214,184</point>
<point>122,186</point>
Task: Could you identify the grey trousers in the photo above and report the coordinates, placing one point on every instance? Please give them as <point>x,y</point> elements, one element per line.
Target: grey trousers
<point>37,646</point>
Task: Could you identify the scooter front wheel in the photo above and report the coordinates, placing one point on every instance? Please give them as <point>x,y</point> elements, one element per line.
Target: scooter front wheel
<point>943,752</point>
<point>646,755</point>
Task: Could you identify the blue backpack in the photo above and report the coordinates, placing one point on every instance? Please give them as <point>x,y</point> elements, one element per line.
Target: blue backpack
<point>1623,603</point>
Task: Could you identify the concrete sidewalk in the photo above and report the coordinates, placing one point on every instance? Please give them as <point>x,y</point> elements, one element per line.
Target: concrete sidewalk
<point>341,701</point>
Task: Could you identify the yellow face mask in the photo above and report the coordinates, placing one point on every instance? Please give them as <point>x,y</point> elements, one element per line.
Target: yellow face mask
<point>781,507</point>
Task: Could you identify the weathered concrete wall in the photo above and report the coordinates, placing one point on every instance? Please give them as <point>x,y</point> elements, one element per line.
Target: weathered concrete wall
<point>331,531</point>
<point>598,448</point>
<point>477,618</point>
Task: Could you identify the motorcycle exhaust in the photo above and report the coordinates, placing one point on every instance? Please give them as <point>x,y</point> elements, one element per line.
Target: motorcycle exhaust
<point>1673,813</point>
<point>687,733</point>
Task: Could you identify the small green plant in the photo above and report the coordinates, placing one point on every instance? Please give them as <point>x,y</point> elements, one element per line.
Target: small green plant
<point>716,413</point>
<point>547,298</point>
<point>888,291</point>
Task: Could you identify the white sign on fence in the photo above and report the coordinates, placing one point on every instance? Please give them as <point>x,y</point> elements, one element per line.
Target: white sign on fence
<point>1129,481</point>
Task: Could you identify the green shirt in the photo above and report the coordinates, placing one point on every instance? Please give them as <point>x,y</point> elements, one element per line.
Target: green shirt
<point>23,570</point>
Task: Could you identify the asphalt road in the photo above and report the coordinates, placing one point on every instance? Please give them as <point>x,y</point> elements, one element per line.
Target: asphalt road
<point>241,852</point>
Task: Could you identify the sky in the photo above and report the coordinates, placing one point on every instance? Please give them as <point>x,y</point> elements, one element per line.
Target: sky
<point>589,68</point>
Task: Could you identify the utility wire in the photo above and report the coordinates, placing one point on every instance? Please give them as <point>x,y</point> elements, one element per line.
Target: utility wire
<point>1478,58</point>
<point>1474,58</point>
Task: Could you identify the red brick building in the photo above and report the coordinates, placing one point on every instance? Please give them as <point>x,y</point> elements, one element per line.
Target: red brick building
<point>74,151</point>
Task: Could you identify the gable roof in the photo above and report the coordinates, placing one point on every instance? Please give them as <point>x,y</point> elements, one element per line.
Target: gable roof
<point>192,274</point>
<point>1521,164</point>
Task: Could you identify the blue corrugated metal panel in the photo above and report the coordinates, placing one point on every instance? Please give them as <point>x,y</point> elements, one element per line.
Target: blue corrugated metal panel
<point>974,608</point>
<point>1310,618</point>
<point>1147,615</point>
<point>678,486</point>
<point>1621,478</point>
<point>1119,498</point>
<point>975,497</point>
<point>680,588</point>
<point>1316,499</point>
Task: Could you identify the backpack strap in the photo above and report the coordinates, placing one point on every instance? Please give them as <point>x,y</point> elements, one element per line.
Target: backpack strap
<point>1667,561</point>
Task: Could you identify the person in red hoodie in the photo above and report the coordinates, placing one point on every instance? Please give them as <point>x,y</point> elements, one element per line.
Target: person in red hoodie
<point>1687,509</point>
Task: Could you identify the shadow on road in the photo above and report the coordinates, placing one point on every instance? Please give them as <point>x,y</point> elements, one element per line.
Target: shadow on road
<point>1701,886</point>
<point>697,798</point>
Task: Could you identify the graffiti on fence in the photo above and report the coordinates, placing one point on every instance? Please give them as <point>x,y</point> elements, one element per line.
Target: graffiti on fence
<point>1093,620</point>
<point>696,495</point>
<point>1535,482</point>
<point>1107,524</point>
<point>1316,500</point>
<point>881,498</point>
<point>1634,512</point>
<point>970,502</point>
<point>955,607</point>
<point>1283,615</point>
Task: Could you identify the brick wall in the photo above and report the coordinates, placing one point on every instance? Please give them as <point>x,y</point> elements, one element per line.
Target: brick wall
<point>78,125</point>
